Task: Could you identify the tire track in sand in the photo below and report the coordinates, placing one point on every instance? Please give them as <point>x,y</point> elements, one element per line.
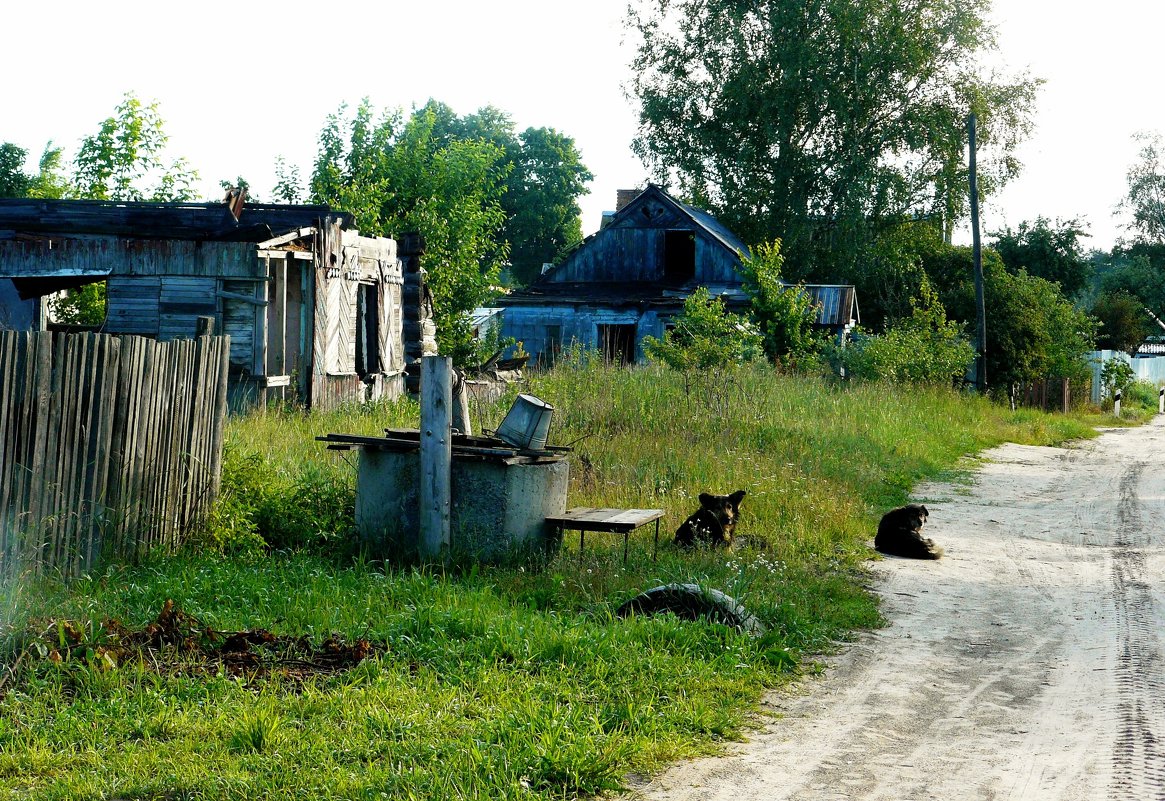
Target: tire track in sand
<point>1138,760</point>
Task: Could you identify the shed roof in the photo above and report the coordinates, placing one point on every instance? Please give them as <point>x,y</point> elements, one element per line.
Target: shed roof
<point>213,221</point>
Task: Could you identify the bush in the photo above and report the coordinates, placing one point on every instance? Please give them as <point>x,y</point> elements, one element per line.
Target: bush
<point>1115,375</point>
<point>705,336</point>
<point>924,348</point>
<point>784,314</point>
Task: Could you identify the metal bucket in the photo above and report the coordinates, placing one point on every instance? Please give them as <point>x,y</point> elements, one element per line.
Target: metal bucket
<point>527,423</point>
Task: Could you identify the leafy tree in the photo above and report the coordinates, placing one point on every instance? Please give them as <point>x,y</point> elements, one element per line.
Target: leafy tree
<point>400,176</point>
<point>706,337</point>
<point>924,348</point>
<point>784,314</point>
<point>13,180</point>
<point>1124,324</point>
<point>545,178</point>
<point>84,305</point>
<point>1138,269</point>
<point>1033,331</point>
<point>48,182</point>
<point>889,279</point>
<point>288,184</point>
<point>816,121</point>
<point>126,155</point>
<point>541,202</point>
<point>1047,250</point>
<point>1145,198</point>
<point>1116,375</point>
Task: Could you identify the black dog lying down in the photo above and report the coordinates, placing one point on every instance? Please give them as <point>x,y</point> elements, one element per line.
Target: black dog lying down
<point>713,523</point>
<point>900,533</point>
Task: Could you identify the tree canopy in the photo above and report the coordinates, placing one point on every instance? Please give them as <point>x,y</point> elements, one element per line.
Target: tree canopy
<point>1145,198</point>
<point>125,159</point>
<point>401,176</point>
<point>1048,250</point>
<point>481,195</point>
<point>815,121</point>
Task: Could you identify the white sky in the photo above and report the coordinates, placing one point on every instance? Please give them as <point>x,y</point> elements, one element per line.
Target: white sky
<point>242,82</point>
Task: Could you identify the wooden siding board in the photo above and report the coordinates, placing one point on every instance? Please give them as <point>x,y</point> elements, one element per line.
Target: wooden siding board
<point>124,256</point>
<point>132,305</point>
<point>238,322</point>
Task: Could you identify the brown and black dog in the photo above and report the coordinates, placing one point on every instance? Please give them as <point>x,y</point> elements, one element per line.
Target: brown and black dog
<point>900,533</point>
<point>713,523</point>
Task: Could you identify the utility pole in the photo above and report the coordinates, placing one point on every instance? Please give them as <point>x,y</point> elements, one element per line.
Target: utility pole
<point>977,257</point>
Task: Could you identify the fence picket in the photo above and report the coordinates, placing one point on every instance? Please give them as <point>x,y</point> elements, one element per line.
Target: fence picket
<point>105,443</point>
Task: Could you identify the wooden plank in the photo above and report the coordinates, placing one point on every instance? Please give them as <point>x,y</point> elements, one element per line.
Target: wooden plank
<point>219,421</point>
<point>613,520</point>
<point>242,298</point>
<point>70,376</point>
<point>24,425</point>
<point>436,454</point>
<point>10,368</point>
<point>103,429</point>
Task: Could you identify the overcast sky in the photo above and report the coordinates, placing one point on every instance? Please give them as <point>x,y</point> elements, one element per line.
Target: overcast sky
<point>243,82</point>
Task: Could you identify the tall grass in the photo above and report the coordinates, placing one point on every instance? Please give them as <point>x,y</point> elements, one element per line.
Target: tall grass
<point>494,682</point>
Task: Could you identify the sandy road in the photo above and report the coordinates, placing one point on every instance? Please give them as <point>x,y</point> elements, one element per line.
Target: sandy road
<point>1027,664</point>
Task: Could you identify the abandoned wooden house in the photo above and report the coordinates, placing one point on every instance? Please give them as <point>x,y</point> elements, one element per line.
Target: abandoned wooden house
<point>629,281</point>
<point>314,309</point>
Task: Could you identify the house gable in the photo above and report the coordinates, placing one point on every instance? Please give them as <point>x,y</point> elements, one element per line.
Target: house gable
<point>655,239</point>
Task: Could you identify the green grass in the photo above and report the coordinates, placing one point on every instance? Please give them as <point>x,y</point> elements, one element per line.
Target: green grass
<point>494,682</point>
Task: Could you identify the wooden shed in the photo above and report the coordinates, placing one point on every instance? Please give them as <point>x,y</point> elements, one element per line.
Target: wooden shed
<point>629,280</point>
<point>314,309</point>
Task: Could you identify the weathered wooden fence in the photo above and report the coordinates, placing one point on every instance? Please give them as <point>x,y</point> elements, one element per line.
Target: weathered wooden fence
<point>1046,394</point>
<point>108,445</point>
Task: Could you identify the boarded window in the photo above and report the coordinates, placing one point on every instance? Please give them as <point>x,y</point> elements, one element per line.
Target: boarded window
<point>679,256</point>
<point>617,343</point>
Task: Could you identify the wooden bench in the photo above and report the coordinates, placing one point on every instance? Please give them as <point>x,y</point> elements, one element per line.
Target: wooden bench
<point>615,521</point>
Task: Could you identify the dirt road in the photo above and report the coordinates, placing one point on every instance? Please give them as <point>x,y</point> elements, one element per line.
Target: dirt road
<point>1026,664</point>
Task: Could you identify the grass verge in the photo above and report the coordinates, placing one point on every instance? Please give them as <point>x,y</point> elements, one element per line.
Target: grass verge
<point>486,682</point>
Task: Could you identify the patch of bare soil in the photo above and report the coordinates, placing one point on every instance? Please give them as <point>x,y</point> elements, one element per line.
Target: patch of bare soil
<point>177,642</point>
<point>1026,664</point>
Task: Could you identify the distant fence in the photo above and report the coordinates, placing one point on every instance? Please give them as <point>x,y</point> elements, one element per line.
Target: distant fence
<point>1146,368</point>
<point>1048,394</point>
<point>108,445</point>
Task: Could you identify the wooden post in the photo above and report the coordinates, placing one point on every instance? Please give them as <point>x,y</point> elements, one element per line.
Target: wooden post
<point>1161,401</point>
<point>461,405</point>
<point>204,326</point>
<point>436,453</point>
<point>977,257</point>
<point>1116,403</point>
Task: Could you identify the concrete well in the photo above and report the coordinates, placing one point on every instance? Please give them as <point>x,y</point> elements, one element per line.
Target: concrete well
<point>499,505</point>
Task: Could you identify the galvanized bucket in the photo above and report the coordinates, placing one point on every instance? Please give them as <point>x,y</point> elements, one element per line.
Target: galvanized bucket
<point>527,423</point>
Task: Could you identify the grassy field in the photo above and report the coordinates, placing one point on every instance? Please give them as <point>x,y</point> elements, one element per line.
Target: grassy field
<point>510,682</point>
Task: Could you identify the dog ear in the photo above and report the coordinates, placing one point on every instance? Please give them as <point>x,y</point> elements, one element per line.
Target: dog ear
<point>737,497</point>
<point>707,500</point>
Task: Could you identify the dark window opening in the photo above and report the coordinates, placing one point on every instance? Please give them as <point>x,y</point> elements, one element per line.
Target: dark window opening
<point>553,348</point>
<point>617,343</point>
<point>679,256</point>
<point>368,330</point>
